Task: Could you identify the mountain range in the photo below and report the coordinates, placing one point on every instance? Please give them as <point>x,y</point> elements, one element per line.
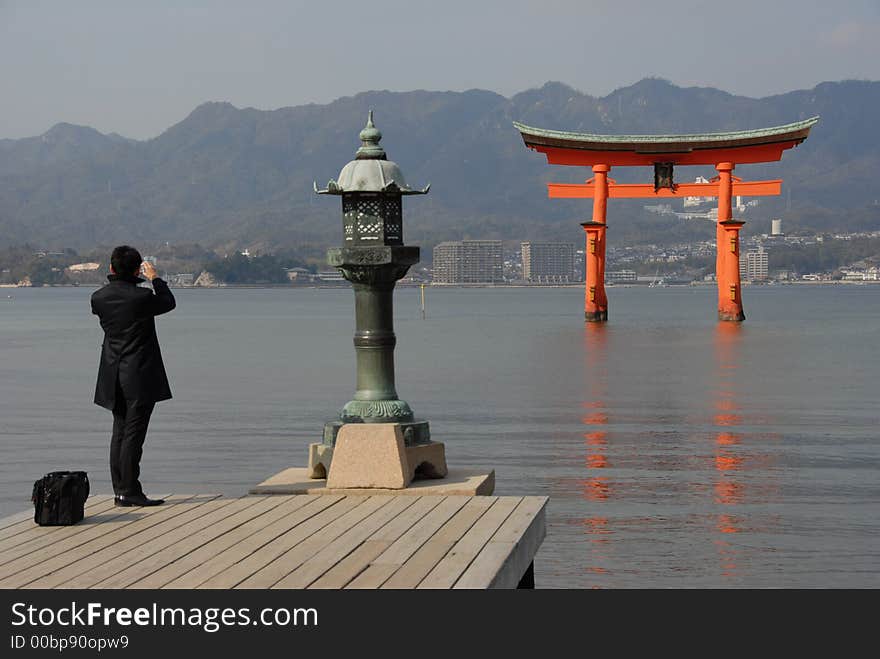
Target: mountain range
<point>229,177</point>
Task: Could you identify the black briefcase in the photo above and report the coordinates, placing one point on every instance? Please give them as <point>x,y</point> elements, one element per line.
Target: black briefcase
<point>60,498</point>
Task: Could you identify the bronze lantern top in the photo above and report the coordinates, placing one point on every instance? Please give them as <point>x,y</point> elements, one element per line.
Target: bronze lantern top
<point>370,171</point>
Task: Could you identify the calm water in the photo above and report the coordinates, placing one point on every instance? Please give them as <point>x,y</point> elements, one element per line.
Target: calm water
<point>676,451</point>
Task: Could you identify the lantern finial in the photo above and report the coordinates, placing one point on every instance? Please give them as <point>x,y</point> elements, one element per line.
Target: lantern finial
<point>370,137</point>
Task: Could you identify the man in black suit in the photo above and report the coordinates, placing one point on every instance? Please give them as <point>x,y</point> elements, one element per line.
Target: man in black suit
<point>131,375</point>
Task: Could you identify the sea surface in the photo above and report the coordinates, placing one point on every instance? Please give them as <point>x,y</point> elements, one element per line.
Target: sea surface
<point>676,451</point>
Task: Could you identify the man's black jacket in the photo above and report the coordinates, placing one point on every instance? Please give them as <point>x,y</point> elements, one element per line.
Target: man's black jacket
<point>131,348</point>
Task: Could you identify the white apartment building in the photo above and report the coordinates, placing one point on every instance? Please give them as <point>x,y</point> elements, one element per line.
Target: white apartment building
<point>753,265</point>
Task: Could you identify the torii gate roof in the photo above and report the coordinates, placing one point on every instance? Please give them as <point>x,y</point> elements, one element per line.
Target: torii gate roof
<point>745,146</point>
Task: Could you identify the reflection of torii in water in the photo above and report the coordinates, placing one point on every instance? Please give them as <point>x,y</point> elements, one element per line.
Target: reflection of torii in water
<point>743,474</point>
<point>728,491</point>
<point>596,486</point>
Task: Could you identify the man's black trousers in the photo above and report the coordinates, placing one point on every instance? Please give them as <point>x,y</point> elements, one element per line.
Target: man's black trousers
<point>130,421</point>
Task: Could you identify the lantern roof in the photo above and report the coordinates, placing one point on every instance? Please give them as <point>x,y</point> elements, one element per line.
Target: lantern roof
<point>370,171</point>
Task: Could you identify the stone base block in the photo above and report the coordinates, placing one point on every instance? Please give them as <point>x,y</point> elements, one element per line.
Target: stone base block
<point>369,455</point>
<point>427,460</point>
<point>320,456</point>
<point>296,480</point>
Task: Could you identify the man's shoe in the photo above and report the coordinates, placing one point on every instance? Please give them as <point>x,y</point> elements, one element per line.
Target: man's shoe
<point>136,500</point>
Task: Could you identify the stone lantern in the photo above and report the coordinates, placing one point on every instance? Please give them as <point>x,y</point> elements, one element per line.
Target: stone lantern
<point>373,258</point>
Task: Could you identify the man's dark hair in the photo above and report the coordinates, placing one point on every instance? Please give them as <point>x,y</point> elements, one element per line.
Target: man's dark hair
<point>126,260</point>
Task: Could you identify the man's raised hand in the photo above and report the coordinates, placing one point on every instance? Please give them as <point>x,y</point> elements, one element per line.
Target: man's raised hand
<point>148,270</point>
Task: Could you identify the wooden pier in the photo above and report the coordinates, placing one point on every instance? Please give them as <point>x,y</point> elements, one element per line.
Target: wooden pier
<point>300,541</point>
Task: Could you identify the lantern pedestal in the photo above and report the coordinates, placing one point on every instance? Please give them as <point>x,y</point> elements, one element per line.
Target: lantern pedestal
<point>428,458</point>
<point>375,455</point>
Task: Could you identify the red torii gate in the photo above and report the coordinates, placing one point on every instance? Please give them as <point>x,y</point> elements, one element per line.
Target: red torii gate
<point>663,152</point>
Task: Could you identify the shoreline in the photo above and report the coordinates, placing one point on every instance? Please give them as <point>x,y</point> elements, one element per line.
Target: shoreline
<point>580,285</point>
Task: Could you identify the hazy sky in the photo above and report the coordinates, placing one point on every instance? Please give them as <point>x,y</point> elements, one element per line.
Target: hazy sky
<point>138,66</point>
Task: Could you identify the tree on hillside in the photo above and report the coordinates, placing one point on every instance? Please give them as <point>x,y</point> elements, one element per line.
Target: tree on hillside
<point>46,272</point>
<point>239,269</point>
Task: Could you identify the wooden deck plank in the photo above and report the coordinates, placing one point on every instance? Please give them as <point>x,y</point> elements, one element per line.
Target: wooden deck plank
<point>312,568</point>
<point>507,555</point>
<point>25,519</point>
<point>28,514</point>
<point>208,553</point>
<point>522,517</point>
<point>279,568</point>
<point>252,563</point>
<point>357,561</point>
<point>51,568</point>
<point>278,533</point>
<point>327,541</point>
<point>66,547</point>
<point>390,560</point>
<point>180,549</point>
<point>457,560</point>
<point>439,544</point>
<point>28,530</point>
<point>110,562</point>
<point>15,518</point>
<point>97,522</point>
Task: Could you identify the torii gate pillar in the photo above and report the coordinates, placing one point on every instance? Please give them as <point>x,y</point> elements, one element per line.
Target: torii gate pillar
<point>595,301</point>
<point>727,274</point>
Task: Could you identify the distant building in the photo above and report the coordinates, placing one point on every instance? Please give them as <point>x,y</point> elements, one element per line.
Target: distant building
<point>327,276</point>
<point>660,209</point>
<point>207,280</point>
<point>83,267</point>
<point>548,263</point>
<point>298,274</point>
<point>753,265</point>
<point>580,265</point>
<point>690,202</point>
<point>182,279</point>
<point>620,275</point>
<point>871,274</point>
<point>782,275</point>
<point>468,262</point>
<point>776,228</point>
